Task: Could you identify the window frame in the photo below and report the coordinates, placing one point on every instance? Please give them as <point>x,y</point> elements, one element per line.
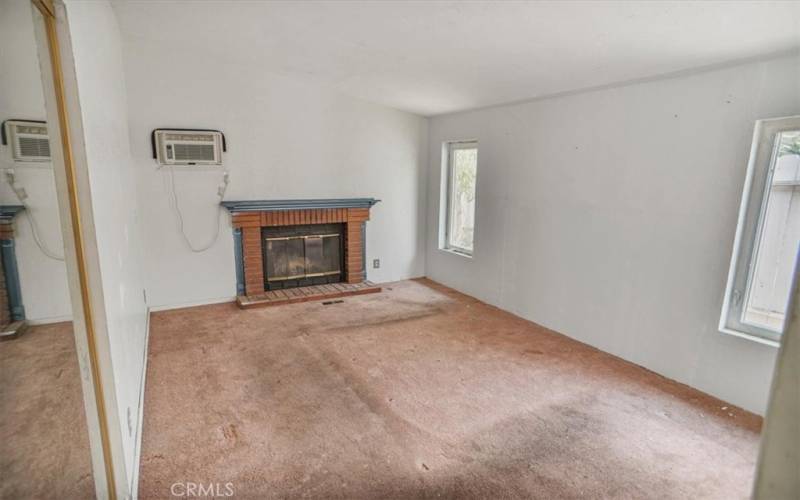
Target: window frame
<point>448,186</point>
<point>758,183</point>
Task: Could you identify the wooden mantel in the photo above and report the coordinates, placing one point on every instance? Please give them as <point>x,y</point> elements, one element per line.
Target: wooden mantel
<point>250,216</point>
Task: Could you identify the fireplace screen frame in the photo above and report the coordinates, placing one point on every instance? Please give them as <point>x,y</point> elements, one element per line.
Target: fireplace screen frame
<point>310,261</point>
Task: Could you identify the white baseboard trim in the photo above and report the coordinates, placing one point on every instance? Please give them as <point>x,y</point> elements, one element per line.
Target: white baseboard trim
<point>137,454</point>
<point>49,321</point>
<point>169,307</point>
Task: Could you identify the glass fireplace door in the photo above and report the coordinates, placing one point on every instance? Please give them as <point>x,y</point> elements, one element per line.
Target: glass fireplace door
<point>302,256</point>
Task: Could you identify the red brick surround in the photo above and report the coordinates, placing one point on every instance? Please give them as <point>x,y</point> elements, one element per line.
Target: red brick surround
<point>252,222</point>
<point>6,231</point>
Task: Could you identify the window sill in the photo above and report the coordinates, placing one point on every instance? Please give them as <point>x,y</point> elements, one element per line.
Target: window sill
<point>456,252</point>
<point>750,337</point>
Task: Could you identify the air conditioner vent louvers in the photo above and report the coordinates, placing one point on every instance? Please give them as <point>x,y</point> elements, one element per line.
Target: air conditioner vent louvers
<point>34,147</point>
<point>194,152</point>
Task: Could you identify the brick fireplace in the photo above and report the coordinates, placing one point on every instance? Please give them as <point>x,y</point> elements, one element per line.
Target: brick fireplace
<point>257,223</point>
<point>12,312</point>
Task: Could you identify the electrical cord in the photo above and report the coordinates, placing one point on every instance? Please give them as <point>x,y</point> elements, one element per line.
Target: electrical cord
<point>21,196</point>
<point>179,215</point>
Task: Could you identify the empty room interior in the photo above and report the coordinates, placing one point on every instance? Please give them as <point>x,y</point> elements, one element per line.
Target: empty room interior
<point>399,249</point>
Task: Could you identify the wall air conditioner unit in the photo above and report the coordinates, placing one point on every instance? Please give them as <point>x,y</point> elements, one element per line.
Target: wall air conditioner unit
<point>28,140</point>
<point>188,147</point>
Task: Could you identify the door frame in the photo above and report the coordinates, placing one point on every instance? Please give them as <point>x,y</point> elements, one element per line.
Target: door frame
<point>96,403</point>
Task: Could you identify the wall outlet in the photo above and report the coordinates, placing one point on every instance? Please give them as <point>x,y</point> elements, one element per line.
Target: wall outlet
<point>376,263</point>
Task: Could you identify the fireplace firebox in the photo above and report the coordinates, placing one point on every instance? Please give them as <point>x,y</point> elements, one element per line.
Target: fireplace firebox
<point>302,255</point>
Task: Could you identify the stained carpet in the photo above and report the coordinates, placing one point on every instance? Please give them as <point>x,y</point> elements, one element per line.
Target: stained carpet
<point>421,392</point>
<point>44,444</point>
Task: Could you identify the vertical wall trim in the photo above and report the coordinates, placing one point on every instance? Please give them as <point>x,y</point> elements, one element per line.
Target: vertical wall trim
<point>9,260</point>
<point>239,258</point>
<point>364,249</point>
<point>47,9</point>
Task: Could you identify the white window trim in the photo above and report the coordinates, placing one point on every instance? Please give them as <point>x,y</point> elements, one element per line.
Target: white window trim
<point>447,195</point>
<point>757,180</point>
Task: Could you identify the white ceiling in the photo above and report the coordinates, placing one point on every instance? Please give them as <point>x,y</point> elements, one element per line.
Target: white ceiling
<point>438,57</point>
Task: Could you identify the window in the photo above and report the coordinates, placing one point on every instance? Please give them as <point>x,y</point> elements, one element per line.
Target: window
<point>768,235</point>
<point>461,168</point>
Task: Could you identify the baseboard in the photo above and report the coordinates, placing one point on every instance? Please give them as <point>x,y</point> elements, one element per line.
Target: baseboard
<point>137,454</point>
<point>50,320</point>
<point>183,305</point>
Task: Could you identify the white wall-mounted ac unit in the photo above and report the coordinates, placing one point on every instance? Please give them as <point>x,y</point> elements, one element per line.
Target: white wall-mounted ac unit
<point>188,147</point>
<point>28,140</point>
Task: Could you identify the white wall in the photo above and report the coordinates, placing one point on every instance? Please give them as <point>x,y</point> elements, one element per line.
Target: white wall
<point>43,280</point>
<point>287,139</point>
<point>609,216</point>
<point>99,76</point>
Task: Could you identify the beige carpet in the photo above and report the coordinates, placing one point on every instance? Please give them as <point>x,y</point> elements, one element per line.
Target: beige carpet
<point>421,392</point>
<point>44,445</point>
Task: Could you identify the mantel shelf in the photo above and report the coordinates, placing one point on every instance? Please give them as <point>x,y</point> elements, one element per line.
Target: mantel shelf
<point>8,212</point>
<point>237,206</point>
